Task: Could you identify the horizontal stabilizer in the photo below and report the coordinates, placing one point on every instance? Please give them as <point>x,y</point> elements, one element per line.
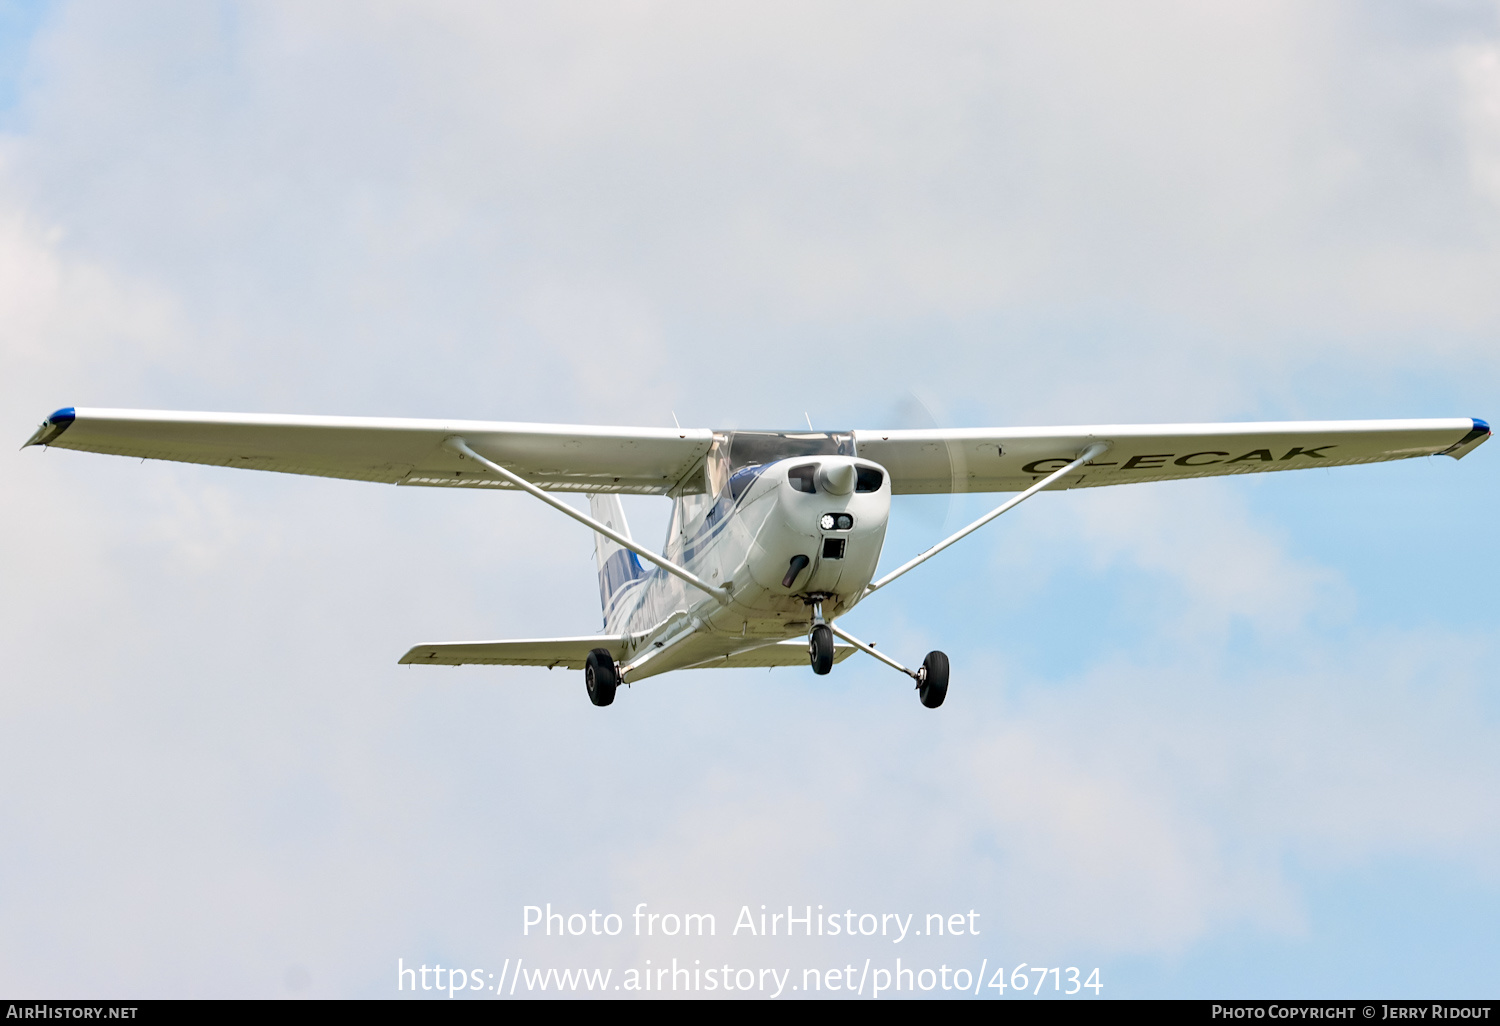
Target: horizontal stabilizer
<point>792,652</point>
<point>568,653</point>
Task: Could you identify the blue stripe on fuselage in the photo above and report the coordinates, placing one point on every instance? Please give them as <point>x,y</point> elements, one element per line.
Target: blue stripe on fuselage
<point>618,570</point>
<point>714,522</point>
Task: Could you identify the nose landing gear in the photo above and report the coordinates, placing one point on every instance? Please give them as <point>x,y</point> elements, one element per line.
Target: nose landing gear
<point>820,649</point>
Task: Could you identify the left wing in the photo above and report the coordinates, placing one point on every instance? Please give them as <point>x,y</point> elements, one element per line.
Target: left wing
<point>1013,459</point>
<point>557,457</point>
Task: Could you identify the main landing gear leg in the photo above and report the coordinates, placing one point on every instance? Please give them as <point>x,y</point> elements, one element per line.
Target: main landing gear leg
<point>932,678</point>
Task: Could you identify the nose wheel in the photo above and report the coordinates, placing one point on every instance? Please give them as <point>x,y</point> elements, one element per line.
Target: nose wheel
<point>820,638</point>
<point>820,648</point>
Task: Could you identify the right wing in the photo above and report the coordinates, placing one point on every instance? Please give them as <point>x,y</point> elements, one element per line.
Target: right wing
<point>1013,459</point>
<point>557,457</point>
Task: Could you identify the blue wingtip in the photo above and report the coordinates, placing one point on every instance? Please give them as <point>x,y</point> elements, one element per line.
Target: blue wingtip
<point>53,426</point>
<point>1477,436</point>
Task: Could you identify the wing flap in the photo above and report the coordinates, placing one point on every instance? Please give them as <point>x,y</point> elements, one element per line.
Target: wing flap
<point>559,457</point>
<point>1000,460</point>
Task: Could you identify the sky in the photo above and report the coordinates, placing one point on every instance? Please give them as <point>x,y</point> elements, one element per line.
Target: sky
<point>1232,738</point>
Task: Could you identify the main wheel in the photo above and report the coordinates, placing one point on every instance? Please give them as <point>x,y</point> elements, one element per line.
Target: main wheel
<point>820,648</point>
<point>599,676</point>
<point>934,686</point>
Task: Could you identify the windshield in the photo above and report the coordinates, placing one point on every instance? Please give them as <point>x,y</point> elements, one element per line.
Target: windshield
<point>756,448</point>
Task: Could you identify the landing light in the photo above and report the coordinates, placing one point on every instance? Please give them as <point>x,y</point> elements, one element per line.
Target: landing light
<point>836,522</point>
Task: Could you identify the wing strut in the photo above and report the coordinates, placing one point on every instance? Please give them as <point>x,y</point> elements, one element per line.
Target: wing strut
<point>456,444</point>
<point>1093,451</point>
<point>870,650</point>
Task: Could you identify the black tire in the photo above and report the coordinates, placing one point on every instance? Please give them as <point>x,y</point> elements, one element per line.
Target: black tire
<point>599,676</point>
<point>934,686</point>
<point>820,649</point>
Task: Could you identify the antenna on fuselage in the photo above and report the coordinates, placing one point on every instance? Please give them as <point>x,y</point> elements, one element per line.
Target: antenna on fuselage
<point>674,420</point>
<point>809,420</point>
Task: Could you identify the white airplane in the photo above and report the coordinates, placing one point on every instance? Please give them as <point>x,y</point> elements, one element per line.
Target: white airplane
<point>774,534</point>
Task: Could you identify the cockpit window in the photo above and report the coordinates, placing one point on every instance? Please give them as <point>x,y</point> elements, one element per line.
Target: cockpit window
<point>868,479</point>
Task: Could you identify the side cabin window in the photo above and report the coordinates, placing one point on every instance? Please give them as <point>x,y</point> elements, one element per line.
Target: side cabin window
<point>687,515</point>
<point>674,527</point>
<point>716,466</point>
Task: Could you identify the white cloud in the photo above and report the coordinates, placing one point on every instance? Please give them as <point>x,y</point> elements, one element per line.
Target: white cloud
<point>740,212</point>
<point>1480,67</point>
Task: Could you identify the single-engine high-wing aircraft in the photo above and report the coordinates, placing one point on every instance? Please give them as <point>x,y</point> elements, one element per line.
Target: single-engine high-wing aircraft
<point>774,534</point>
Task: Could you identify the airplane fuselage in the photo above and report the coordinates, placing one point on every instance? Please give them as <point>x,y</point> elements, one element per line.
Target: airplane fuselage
<point>830,510</point>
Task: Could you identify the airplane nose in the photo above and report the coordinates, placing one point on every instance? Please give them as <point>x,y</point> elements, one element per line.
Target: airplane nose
<point>838,478</point>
